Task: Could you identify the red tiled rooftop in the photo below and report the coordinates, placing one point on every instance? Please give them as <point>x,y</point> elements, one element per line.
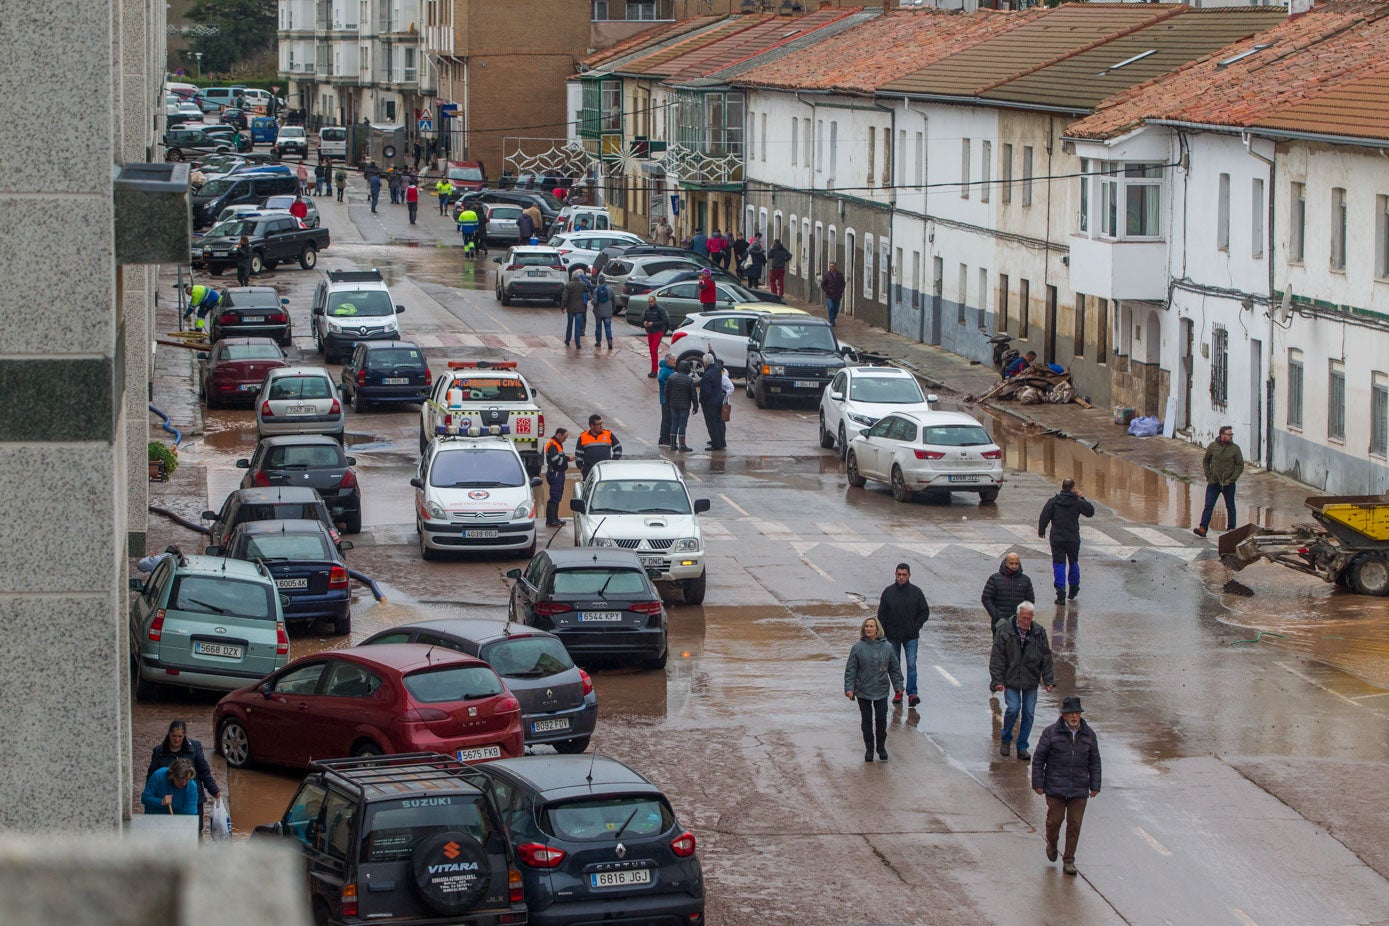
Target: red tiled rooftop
<point>1359,108</point>
<point>760,37</point>
<point>647,37</point>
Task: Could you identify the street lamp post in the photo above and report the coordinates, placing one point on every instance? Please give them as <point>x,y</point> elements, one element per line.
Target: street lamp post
<point>199,56</point>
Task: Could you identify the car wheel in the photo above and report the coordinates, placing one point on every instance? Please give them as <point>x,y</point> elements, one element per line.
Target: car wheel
<point>759,395</point>
<point>271,264</point>
<point>321,916</point>
<point>257,263</point>
<point>309,259</point>
<point>900,490</point>
<point>211,400</point>
<point>659,662</point>
<point>352,524</point>
<point>988,496</point>
<point>287,340</point>
<point>234,744</point>
<point>343,625</point>
<point>174,155</point>
<point>215,271</point>
<point>694,588</point>
<point>696,361</point>
<point>499,292</point>
<point>427,553</point>
<point>424,441</point>
<point>317,340</point>
<point>826,438</point>
<point>505,297</point>
<point>747,386</point>
<point>144,691</point>
<point>851,469</point>
<point>365,749</point>
<point>572,747</point>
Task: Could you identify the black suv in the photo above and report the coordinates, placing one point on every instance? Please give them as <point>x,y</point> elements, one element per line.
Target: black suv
<point>253,312</point>
<point>412,838</point>
<point>390,372</point>
<point>791,357</point>
<point>279,503</point>
<point>597,841</point>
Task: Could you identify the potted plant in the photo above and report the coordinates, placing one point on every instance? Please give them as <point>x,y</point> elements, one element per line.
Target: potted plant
<point>163,460</point>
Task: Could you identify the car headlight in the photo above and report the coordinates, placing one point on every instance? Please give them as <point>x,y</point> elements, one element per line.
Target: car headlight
<point>392,326</point>
<point>336,329</point>
<point>207,250</point>
<point>436,510</point>
<point>861,419</point>
<point>602,542</point>
<point>685,545</point>
<point>524,511</point>
<point>773,370</point>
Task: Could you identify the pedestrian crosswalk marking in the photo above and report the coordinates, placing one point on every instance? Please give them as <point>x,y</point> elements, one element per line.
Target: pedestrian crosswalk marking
<point>1154,537</point>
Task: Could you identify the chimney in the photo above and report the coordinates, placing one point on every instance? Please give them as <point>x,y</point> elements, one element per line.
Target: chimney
<point>1297,8</point>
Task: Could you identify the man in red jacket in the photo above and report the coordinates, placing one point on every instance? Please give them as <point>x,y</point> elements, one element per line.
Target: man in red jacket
<point>412,196</point>
<point>708,292</point>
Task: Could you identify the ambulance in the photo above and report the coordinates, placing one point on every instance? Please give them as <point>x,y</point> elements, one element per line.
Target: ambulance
<point>483,393</point>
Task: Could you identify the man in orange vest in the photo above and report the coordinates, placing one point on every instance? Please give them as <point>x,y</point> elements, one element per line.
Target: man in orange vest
<point>556,464</point>
<point>596,444</point>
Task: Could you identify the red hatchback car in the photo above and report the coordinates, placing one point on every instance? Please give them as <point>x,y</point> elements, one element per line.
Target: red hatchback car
<point>234,368</point>
<point>367,701</point>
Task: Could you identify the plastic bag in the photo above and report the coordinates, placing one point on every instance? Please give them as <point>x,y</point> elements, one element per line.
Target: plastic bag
<point>219,821</point>
<point>1145,427</point>
<point>1029,395</point>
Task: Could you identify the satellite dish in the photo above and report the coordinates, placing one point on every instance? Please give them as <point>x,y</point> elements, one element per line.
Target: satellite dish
<point>1285,308</point>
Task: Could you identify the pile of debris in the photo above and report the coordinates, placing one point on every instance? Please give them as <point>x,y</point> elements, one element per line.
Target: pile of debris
<point>1036,385</point>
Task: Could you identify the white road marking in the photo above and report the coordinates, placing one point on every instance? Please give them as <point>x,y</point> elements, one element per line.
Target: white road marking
<point>817,568</point>
<point>947,676</point>
<point>693,477</point>
<point>773,528</point>
<point>1243,917</point>
<point>617,421</point>
<point>1377,694</point>
<point>734,505</point>
<point>1154,537</point>
<point>1316,684</point>
<point>1158,847</point>
<point>862,549</point>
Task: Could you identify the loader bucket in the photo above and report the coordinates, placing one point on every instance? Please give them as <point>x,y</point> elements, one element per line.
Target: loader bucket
<point>1230,553</point>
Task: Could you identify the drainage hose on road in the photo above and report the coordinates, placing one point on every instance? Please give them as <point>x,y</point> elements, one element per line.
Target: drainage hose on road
<point>178,437</point>
<point>180,520</point>
<point>369,583</point>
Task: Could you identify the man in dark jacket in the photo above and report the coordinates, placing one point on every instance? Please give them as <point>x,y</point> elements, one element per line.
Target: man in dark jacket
<point>778,258</point>
<point>902,612</point>
<point>1005,590</point>
<point>1062,512</point>
<point>711,400</point>
<point>655,322</point>
<point>1020,661</point>
<point>1223,464</point>
<point>556,465</point>
<point>740,254</point>
<point>525,228</point>
<point>832,283</point>
<point>682,395</point>
<point>575,299</point>
<point>1067,770</point>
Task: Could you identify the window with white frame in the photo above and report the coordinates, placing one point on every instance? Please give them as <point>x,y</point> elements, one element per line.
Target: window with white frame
<point>868,266</point>
<point>793,243</point>
<point>805,142</point>
<point>884,265</point>
<point>897,278</point>
<point>600,11</point>
<point>819,146</point>
<point>872,152</point>
<point>887,157</point>
<point>1220,366</point>
<point>1382,237</point>
<point>1222,214</point>
<point>752,136</point>
<point>795,142</point>
<point>985,169</point>
<point>1084,195</point>
<point>1336,402</point>
<point>1027,175</point>
<point>1130,199</point>
<point>964,168</point>
<point>611,105</point>
<point>1338,229</point>
<point>1295,388</point>
<point>1379,414</point>
<point>641,10</point>
<point>899,159</point>
<point>1256,218</point>
<point>983,295</point>
<point>762,143</point>
<point>834,151</point>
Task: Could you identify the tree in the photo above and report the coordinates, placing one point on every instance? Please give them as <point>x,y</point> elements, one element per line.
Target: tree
<point>245,29</point>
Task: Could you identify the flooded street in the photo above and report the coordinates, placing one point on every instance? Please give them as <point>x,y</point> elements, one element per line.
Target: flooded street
<point>1243,780</point>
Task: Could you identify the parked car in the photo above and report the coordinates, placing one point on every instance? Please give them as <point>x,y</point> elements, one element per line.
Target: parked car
<point>351,307</point>
<point>183,114</point>
<point>201,622</point>
<point>598,842</point>
<point>332,142</point>
<point>927,451</point>
<point>235,117</point>
<point>619,269</point>
<point>307,564</point>
<point>312,460</point>
<point>722,276</point>
<point>386,372</point>
<point>277,503</point>
<point>598,601</point>
<point>275,239</point>
<point>582,218</point>
<point>234,368</point>
<point>483,393</point>
<point>238,142</point>
<point>558,704</point>
<point>473,494</point>
<point>370,701</point>
<point>214,99</point>
<point>181,144</point>
<point>542,199</point>
<point>723,332</point>
<point>299,400</point>
<point>467,175</point>
<point>283,201</point>
<point>265,130</point>
<point>291,139</point>
<point>502,221</point>
<point>413,839</point>
<point>578,249</point>
<point>858,397</point>
<point>790,357</point>
<point>249,184</point>
<point>682,298</point>
<point>530,273</point>
<point>252,311</point>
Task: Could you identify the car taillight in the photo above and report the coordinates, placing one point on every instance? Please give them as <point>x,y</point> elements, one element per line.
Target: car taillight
<point>684,846</point>
<point>929,454</point>
<point>588,682</point>
<point>557,266</point>
<point>677,336</point>
<point>337,577</point>
<point>348,899</point>
<point>551,608</point>
<point>537,855</point>
<point>424,715</point>
<point>564,251</point>
<point>361,377</point>
<point>281,640</point>
<point>336,409</point>
<point>513,267</point>
<point>227,318</point>
<point>515,893</point>
<point>265,411</point>
<point>279,318</point>
<point>508,705</point>
<point>540,424</point>
<point>645,607</point>
<point>428,377</point>
<point>260,479</point>
<point>157,625</point>
<point>992,454</point>
<point>349,480</point>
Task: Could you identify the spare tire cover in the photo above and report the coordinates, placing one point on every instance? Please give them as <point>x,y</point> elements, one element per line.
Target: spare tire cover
<point>451,872</point>
<point>388,151</point>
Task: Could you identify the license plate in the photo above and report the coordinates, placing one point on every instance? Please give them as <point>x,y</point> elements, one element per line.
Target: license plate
<point>249,387</point>
<point>964,479</point>
<point>620,878</point>
<point>545,726</point>
<point>253,319</point>
<point>536,273</point>
<point>396,381</point>
<point>600,616</point>
<point>217,649</point>
<point>478,753</point>
<point>652,560</point>
<point>480,535</point>
<point>220,253</point>
<point>299,410</point>
<point>291,583</point>
<point>806,384</point>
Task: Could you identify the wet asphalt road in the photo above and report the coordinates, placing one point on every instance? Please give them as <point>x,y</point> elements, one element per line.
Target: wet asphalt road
<point>1243,782</point>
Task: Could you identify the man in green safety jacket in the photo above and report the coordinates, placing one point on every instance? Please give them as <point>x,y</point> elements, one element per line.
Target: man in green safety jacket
<point>444,190</point>
<point>467,227</point>
<point>202,301</point>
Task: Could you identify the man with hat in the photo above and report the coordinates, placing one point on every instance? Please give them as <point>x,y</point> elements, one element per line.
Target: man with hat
<point>1066,768</point>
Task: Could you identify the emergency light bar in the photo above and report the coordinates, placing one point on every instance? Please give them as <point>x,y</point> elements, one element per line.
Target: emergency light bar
<point>482,364</point>
<point>453,430</point>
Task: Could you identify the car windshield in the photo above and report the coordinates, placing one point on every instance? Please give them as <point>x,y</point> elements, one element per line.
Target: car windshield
<point>955,435</point>
<point>388,358</point>
<point>333,134</point>
<point>477,469</point>
<point>593,581</point>
<point>283,202</point>
<point>396,828</point>
<point>261,301</point>
<point>287,547</point>
<point>310,456</point>
<point>639,496</point>
<point>222,596</point>
<point>279,511</point>
<point>739,293</point>
<point>301,387</point>
<point>354,304</point>
<point>465,173</point>
<point>453,683</point>
<point>505,213</point>
<point>609,818</point>
<point>291,132</point>
<point>528,657</point>
<point>894,390</point>
<point>534,259</point>
<point>800,337</point>
<point>251,352</point>
<point>475,389</point>
<point>232,228</point>
<point>216,187</point>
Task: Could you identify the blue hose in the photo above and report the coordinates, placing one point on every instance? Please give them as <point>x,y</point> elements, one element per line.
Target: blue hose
<point>178,437</point>
<point>369,583</point>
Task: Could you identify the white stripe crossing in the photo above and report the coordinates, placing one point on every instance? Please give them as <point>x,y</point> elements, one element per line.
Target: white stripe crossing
<point>947,676</point>
<point>1154,537</point>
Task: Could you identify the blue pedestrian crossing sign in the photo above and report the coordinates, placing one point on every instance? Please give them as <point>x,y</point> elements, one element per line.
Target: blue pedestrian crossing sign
<point>426,124</point>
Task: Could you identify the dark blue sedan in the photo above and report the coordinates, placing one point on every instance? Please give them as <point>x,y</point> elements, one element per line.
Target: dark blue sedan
<point>306,564</point>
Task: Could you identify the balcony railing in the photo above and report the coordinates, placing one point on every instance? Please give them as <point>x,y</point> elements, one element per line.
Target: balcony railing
<point>690,165</point>
<point>589,123</point>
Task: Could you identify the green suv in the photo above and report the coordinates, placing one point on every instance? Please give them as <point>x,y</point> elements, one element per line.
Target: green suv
<point>205,622</point>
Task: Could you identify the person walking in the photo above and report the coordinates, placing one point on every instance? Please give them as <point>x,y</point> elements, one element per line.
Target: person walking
<point>418,153</point>
<point>682,396</point>
<point>412,196</point>
<point>664,372</point>
<point>525,228</point>
<point>902,612</point>
<point>778,258</point>
<point>699,243</point>
<point>244,256</point>
<point>1063,512</point>
<point>575,299</point>
<point>393,184</point>
<point>832,285</point>
<point>480,236</point>
<point>1066,770</point>
<point>739,247</point>
<point>171,790</point>
<point>556,465</point>
<point>711,400</point>
<point>320,178</point>
<point>871,672</point>
<point>708,291</point>
<point>373,186</point>
<point>1223,464</point>
<point>655,322</point>
<point>176,746</point>
<point>596,445</point>
<point>664,235</point>
<point>1019,662</point>
<point>604,305</point>
<point>444,190</point>
<point>302,175</point>
<point>340,179</point>
<point>757,261</point>
<point>1005,590</point>
<point>718,249</point>
<point>537,221</point>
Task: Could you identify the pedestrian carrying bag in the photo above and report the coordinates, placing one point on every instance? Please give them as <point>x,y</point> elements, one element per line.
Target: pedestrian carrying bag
<point>726,412</point>
<point>219,821</point>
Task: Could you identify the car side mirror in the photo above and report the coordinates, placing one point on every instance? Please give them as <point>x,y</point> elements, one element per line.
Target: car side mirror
<point>577,505</point>
<point>266,690</point>
<point>417,483</point>
<point>535,481</point>
<point>701,505</point>
<point>344,545</point>
<point>836,396</point>
<point>243,464</point>
<point>513,573</point>
<point>351,461</point>
<point>284,601</point>
<point>318,310</point>
<point>863,432</point>
<point>214,550</point>
<point>932,398</point>
<point>284,302</point>
<point>496,260</point>
<point>399,309</point>
<point>138,585</point>
<point>268,829</point>
<point>208,516</point>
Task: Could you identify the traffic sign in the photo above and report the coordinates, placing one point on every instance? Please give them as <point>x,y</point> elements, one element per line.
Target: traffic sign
<point>448,109</point>
<point>274,88</point>
<point>426,124</point>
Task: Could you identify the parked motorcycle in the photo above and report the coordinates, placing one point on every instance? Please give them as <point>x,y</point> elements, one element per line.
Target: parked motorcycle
<point>1003,354</point>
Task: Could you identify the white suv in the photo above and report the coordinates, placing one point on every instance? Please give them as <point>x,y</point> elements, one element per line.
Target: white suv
<point>858,396</point>
<point>644,506</point>
<point>528,272</point>
<point>349,307</point>
<point>472,493</point>
<point>581,248</point>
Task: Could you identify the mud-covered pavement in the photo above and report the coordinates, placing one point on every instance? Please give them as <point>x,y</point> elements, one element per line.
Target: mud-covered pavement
<point>1243,781</point>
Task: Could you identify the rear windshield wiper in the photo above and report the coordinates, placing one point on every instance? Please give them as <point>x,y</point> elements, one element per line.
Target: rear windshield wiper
<point>210,607</point>
<point>623,828</point>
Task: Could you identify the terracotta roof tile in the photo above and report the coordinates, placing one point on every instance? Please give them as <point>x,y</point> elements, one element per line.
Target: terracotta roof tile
<point>744,44</point>
<point>1358,107</point>
<point>646,38</point>
<point>654,63</point>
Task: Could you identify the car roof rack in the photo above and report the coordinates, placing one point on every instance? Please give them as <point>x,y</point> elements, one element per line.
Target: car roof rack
<point>385,775</point>
<point>355,276</point>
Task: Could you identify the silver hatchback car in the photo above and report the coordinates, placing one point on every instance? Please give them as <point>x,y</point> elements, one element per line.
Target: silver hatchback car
<point>299,400</point>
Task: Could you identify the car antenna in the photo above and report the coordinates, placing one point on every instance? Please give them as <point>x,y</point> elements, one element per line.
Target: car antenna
<point>429,654</point>
<point>592,761</point>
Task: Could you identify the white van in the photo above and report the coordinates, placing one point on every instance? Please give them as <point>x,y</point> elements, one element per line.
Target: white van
<point>587,218</point>
<point>332,142</point>
<point>257,100</point>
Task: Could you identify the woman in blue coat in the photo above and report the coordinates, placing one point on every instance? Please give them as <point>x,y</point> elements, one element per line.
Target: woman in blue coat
<point>171,790</point>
